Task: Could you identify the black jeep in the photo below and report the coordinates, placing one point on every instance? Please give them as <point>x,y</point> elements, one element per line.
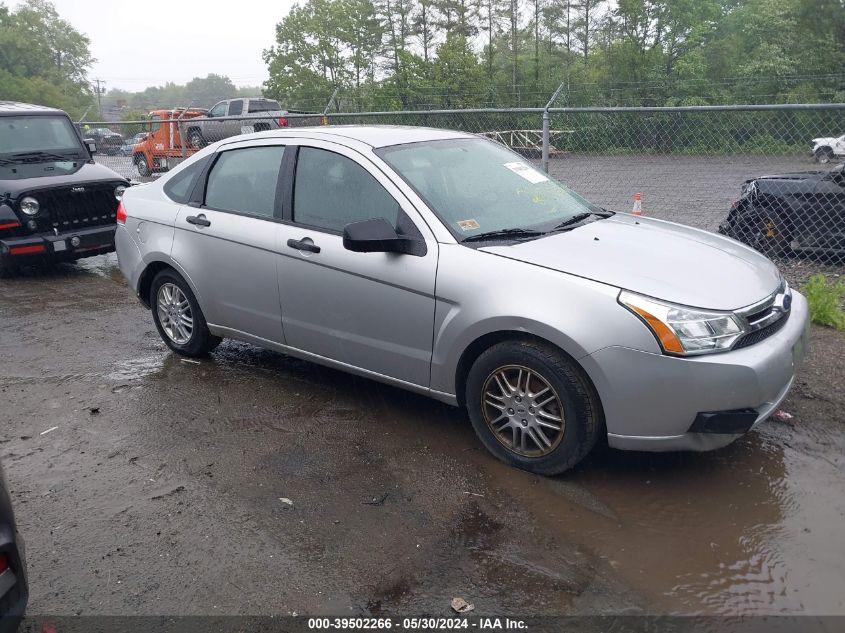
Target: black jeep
<point>56,203</point>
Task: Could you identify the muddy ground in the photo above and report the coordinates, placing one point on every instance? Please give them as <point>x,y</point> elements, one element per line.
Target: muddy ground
<point>145,484</point>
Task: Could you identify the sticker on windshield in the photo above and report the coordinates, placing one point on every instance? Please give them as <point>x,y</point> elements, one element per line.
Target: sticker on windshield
<point>468,225</point>
<point>526,171</point>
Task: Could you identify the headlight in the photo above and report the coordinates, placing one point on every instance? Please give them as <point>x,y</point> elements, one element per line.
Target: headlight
<point>682,330</point>
<point>30,205</point>
<point>118,191</point>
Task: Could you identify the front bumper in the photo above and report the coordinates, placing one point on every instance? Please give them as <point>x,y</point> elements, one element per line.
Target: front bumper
<point>42,247</point>
<point>650,400</point>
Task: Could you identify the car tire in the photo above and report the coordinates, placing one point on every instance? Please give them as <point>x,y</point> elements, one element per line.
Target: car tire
<point>8,270</point>
<point>513,379</point>
<point>142,166</point>
<point>823,155</point>
<point>764,234</point>
<point>196,140</point>
<point>191,337</point>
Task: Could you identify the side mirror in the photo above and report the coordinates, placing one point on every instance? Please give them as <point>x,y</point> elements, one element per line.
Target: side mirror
<point>91,145</point>
<point>378,236</point>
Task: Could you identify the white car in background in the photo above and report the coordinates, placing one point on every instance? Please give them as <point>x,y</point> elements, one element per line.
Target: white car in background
<point>827,148</point>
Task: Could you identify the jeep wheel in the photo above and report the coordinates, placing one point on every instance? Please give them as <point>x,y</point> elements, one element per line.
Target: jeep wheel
<point>7,270</point>
<point>532,407</point>
<point>142,166</point>
<point>823,155</point>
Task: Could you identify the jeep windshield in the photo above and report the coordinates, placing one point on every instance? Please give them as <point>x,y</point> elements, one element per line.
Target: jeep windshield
<point>484,191</point>
<point>39,138</point>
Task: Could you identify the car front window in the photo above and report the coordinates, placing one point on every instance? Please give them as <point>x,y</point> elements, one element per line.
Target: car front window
<point>20,134</point>
<point>477,186</point>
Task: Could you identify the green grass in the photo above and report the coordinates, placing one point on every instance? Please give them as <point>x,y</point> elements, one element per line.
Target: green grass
<point>825,299</point>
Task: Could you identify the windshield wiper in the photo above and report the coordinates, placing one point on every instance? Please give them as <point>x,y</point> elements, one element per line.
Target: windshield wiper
<point>23,156</point>
<point>575,219</point>
<point>514,233</point>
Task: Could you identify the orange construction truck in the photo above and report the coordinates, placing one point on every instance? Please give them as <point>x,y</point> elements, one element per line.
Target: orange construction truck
<point>162,148</point>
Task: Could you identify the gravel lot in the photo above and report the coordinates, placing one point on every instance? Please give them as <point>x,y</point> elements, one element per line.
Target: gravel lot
<point>145,484</point>
<point>254,483</point>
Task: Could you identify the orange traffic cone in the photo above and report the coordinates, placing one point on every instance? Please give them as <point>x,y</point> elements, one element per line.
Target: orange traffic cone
<point>638,204</point>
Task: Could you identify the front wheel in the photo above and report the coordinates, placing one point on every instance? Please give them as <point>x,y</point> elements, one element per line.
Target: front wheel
<point>7,270</point>
<point>142,166</point>
<point>823,156</point>
<point>178,317</point>
<point>764,233</point>
<point>532,407</point>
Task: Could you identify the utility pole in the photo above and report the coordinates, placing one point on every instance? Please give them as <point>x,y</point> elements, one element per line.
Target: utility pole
<point>99,96</point>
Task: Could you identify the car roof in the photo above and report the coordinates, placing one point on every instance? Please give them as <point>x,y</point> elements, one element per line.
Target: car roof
<point>11,108</point>
<point>373,135</point>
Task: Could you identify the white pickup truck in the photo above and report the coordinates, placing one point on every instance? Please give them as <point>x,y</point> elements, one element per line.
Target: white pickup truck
<point>236,116</point>
<point>826,149</point>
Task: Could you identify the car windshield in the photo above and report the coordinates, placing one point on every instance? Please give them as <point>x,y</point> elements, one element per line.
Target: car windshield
<point>477,186</point>
<point>49,134</point>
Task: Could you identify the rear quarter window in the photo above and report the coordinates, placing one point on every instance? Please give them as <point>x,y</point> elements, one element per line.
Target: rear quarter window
<point>181,185</point>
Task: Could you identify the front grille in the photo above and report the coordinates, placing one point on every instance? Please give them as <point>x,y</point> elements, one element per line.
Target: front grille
<point>752,338</point>
<point>70,210</point>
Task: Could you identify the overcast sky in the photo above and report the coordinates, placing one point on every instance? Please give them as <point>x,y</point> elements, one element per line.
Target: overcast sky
<point>149,42</point>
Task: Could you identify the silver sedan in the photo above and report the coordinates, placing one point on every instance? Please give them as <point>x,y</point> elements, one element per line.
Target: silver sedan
<point>445,264</point>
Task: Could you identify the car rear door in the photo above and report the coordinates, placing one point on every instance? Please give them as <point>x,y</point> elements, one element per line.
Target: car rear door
<point>225,240</point>
<point>373,311</point>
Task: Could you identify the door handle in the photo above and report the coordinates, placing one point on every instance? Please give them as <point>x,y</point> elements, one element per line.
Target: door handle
<point>302,245</point>
<point>199,220</point>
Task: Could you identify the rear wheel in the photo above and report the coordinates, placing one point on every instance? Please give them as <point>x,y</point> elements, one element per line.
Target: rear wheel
<point>178,317</point>
<point>142,166</point>
<point>195,139</point>
<point>532,407</point>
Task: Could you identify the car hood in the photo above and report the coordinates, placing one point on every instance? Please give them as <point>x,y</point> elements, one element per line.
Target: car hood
<point>660,259</point>
<point>29,176</point>
<point>785,184</point>
<point>825,139</point>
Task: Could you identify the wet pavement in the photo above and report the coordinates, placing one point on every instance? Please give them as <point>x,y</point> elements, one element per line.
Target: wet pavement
<point>147,484</point>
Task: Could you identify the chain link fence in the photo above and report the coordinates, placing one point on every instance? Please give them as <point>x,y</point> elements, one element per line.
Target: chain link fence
<point>769,176</point>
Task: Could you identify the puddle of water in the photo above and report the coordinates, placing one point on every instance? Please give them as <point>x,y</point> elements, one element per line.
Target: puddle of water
<point>102,266</point>
<point>756,528</point>
<point>136,368</point>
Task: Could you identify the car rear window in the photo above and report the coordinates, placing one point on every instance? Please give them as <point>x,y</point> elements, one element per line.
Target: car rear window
<point>263,105</point>
<point>180,185</point>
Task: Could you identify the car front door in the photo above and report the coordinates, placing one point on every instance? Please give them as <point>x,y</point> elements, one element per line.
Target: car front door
<point>373,311</point>
<point>236,126</point>
<point>225,241</point>
<point>213,130</point>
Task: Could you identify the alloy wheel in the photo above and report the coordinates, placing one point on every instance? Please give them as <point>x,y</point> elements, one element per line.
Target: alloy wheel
<point>523,411</point>
<point>174,313</point>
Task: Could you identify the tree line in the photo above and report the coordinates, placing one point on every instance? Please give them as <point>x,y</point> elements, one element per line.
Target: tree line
<point>429,54</point>
<point>412,54</point>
